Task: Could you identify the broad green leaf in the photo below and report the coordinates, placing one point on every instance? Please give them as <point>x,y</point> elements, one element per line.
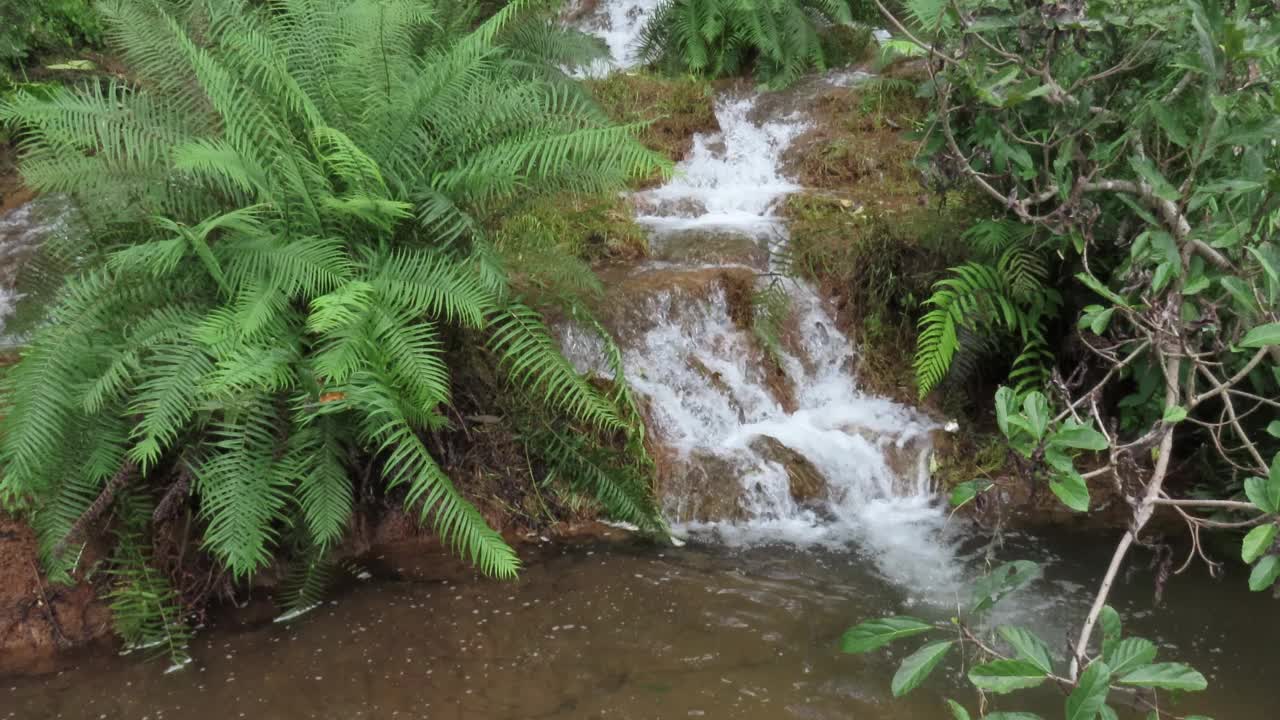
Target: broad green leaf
<point>1005,676</point>
<point>1072,490</point>
<point>957,710</point>
<point>1036,408</point>
<point>1241,292</point>
<point>1093,284</point>
<point>1006,578</point>
<point>1076,435</point>
<point>966,491</point>
<point>1151,174</point>
<point>1258,542</point>
<point>1262,336</point>
<point>1004,406</point>
<point>1168,676</point>
<point>1106,713</point>
<point>1274,429</point>
<point>877,633</point>
<point>1109,619</point>
<point>1175,414</point>
<point>1263,493</point>
<point>917,666</point>
<point>1090,694</point>
<point>1171,124</point>
<point>1028,646</point>
<point>1265,573</point>
<point>1100,321</point>
<point>1129,654</point>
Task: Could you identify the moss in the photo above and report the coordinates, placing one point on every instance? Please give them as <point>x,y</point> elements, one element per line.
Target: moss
<point>870,233</point>
<point>674,108</point>
<point>591,228</point>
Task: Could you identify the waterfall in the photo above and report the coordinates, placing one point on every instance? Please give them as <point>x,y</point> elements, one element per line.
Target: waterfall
<point>735,441</point>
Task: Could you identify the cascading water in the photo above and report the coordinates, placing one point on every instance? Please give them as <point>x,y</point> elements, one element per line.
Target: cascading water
<point>716,405</point>
<point>22,232</point>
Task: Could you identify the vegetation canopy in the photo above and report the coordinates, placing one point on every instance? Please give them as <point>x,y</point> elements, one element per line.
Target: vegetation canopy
<point>288,207</point>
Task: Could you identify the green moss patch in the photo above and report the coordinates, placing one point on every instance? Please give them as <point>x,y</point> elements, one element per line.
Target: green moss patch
<point>675,108</point>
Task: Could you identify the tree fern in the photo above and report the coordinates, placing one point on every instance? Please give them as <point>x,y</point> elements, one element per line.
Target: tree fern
<point>290,208</point>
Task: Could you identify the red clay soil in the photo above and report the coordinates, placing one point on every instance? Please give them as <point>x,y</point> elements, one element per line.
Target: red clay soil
<point>40,621</point>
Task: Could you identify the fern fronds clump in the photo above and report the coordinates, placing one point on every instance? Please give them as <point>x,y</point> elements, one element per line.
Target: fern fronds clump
<point>985,302</point>
<point>777,40</point>
<point>289,209</point>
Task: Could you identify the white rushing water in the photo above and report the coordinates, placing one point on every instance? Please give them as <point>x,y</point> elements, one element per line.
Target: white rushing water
<point>22,231</point>
<point>732,180</point>
<point>713,404</point>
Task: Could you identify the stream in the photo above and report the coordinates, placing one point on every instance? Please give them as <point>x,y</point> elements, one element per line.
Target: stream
<point>743,620</point>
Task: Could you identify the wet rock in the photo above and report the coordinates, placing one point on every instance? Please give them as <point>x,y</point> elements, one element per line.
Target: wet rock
<point>39,621</point>
<point>711,248</point>
<point>807,485</point>
<point>681,207</point>
<point>637,299</point>
<point>703,487</point>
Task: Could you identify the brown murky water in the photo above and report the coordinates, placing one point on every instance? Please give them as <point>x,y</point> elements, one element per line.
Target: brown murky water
<point>609,631</point>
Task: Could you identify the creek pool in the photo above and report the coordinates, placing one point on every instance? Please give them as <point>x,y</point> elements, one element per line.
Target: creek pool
<point>641,632</point>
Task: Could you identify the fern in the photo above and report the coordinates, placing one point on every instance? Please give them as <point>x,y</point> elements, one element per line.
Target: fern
<point>290,207</point>
<point>779,39</point>
<point>981,301</point>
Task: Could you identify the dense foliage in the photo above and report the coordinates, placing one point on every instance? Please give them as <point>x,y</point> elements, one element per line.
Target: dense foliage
<point>29,28</point>
<point>777,40</point>
<point>289,208</point>
<point>1135,149</point>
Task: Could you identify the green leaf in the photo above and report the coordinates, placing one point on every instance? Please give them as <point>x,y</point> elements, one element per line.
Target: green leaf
<point>1262,336</point>
<point>1100,321</point>
<point>1090,694</point>
<point>1082,437</point>
<point>877,633</point>
<point>1274,429</point>
<point>1168,676</point>
<point>1028,646</point>
<point>1110,621</point>
<point>966,491</point>
<point>1005,676</point>
<point>1175,414</point>
<point>1106,713</point>
<point>1072,490</point>
<point>1171,124</point>
<point>1011,716</point>
<point>1258,542</point>
<point>917,666</point>
<point>1006,578</point>
<point>1004,406</point>
<point>1241,292</point>
<point>1151,174</point>
<point>1265,573</point>
<point>1095,285</point>
<point>1129,654</point>
<point>1263,493</point>
<point>1036,408</point>
<point>957,710</point>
